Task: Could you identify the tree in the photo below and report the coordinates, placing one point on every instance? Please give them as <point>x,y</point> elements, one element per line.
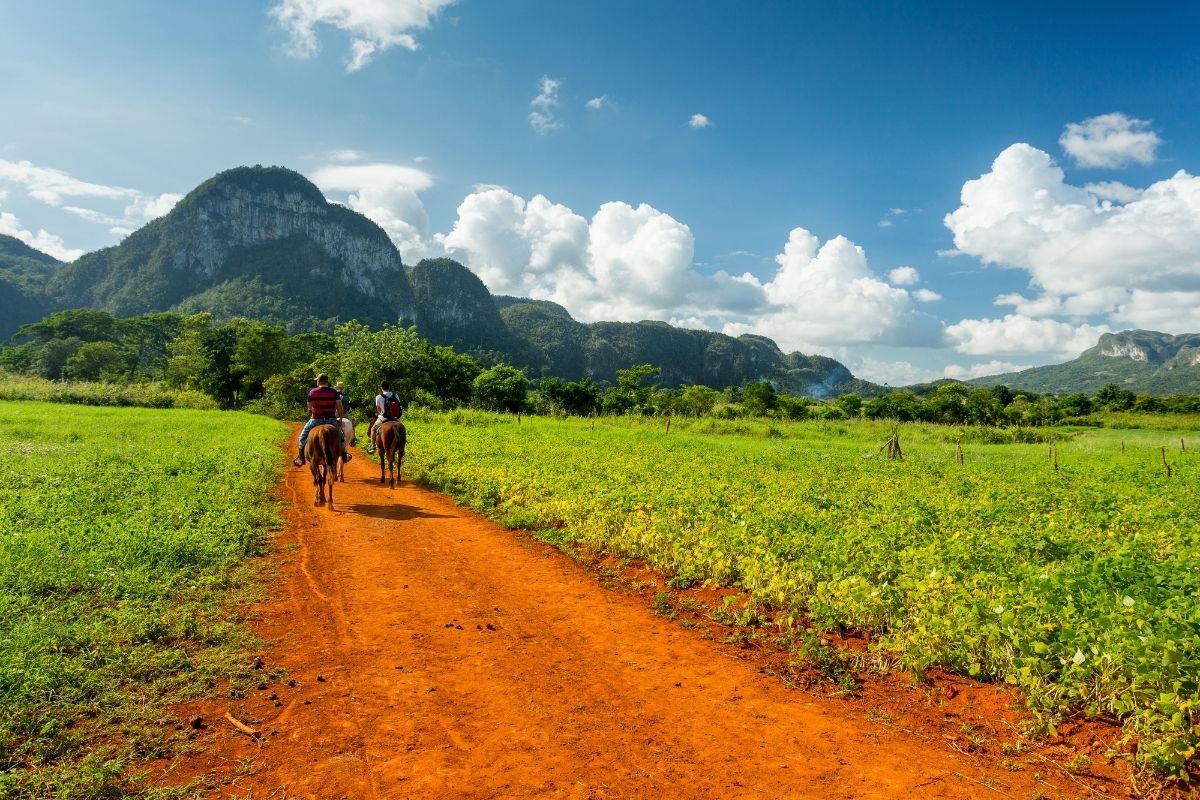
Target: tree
<point>758,398</point>
<point>1112,397</point>
<point>95,361</point>
<point>851,404</point>
<point>501,388</point>
<point>260,351</point>
<point>899,404</point>
<point>580,397</point>
<point>1075,405</point>
<point>982,408</point>
<point>697,400</point>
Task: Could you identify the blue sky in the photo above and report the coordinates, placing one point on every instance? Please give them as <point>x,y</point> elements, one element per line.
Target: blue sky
<point>778,168</point>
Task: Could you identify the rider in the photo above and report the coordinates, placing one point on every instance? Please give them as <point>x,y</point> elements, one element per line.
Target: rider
<point>345,398</point>
<point>325,408</point>
<point>387,408</point>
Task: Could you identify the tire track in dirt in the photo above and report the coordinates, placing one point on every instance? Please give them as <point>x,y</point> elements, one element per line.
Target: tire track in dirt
<point>439,656</point>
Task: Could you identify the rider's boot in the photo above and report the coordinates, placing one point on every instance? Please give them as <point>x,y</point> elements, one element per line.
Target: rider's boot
<point>298,461</point>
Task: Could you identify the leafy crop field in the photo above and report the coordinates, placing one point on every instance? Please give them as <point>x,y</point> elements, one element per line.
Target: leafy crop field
<point>1078,584</point>
<point>121,536</point>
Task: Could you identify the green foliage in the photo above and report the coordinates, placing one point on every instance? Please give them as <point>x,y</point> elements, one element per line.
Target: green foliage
<point>122,534</point>
<point>147,394</point>
<point>1077,585</point>
<point>501,388</point>
<point>415,368</point>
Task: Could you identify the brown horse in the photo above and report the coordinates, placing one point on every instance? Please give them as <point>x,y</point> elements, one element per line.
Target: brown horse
<point>390,438</point>
<point>323,453</point>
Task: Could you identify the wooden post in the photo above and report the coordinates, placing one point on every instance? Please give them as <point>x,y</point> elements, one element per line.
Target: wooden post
<point>1054,456</point>
<point>1182,448</point>
<point>668,425</point>
<point>958,446</point>
<point>1165,462</point>
<point>1122,445</point>
<point>518,417</point>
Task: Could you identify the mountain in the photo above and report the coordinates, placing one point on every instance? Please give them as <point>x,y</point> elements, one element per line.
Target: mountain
<point>24,273</point>
<point>252,241</point>
<point>1140,361</point>
<point>264,243</point>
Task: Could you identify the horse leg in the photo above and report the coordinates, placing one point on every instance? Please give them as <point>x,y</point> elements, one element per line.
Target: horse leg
<point>331,479</point>
<point>381,448</point>
<point>318,484</point>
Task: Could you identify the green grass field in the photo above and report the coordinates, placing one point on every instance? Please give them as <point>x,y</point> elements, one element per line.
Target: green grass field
<point>1078,584</point>
<point>123,535</point>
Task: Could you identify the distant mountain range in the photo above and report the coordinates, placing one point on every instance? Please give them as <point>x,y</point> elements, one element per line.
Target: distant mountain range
<point>264,243</point>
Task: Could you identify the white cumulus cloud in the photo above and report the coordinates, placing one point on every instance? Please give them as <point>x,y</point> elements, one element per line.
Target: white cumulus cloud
<point>994,367</point>
<point>904,276</point>
<point>42,240</point>
<point>699,121</point>
<point>1017,334</point>
<point>373,25</point>
<point>1110,140</point>
<point>387,194</point>
<point>542,117</point>
<point>597,103</point>
<point>926,295</point>
<point>1085,255</point>
<point>826,294</point>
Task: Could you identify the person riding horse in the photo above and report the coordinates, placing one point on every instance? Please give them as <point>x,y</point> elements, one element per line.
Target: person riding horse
<point>325,408</point>
<point>387,408</point>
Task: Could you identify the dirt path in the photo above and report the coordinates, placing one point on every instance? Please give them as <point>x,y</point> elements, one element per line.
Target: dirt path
<point>460,660</point>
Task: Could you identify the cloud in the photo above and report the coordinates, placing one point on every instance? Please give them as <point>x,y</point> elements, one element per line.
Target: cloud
<point>1113,190</point>
<point>597,103</point>
<point>904,276</point>
<point>387,194</point>
<point>42,240</point>
<point>926,295</point>
<point>889,219</point>
<point>893,373</point>
<point>374,25</point>
<point>53,186</point>
<point>995,367</point>
<point>1017,334</point>
<point>1110,140</point>
<point>1085,254</point>
<point>542,117</point>
<point>59,189</point>
<point>699,121</point>
<point>826,294</point>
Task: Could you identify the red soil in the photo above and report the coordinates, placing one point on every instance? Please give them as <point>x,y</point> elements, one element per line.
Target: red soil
<point>437,655</point>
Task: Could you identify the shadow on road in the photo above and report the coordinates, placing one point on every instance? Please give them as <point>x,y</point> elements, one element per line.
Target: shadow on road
<point>394,511</point>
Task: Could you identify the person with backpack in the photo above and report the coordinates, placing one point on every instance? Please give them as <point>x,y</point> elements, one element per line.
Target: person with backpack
<point>324,408</point>
<point>387,408</point>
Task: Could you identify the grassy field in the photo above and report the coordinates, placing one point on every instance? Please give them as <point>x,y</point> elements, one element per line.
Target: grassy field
<point>1076,583</point>
<point>89,393</point>
<point>123,534</point>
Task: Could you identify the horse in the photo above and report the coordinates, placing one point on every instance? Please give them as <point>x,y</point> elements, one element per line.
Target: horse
<point>390,437</point>
<point>348,430</point>
<point>323,453</point>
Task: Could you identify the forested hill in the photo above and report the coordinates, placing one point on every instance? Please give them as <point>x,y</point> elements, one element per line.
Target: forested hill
<point>24,273</point>
<point>1139,361</point>
<point>264,243</point>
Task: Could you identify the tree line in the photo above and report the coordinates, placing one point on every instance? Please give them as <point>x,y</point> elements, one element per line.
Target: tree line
<point>257,366</point>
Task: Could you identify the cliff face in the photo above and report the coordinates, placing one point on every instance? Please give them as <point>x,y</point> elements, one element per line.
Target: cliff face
<point>1138,360</point>
<point>266,227</point>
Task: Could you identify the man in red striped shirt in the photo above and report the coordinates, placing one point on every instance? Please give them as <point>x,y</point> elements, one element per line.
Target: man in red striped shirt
<point>324,408</point>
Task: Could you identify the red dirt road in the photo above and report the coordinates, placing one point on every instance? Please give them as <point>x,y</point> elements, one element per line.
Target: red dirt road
<point>460,660</point>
